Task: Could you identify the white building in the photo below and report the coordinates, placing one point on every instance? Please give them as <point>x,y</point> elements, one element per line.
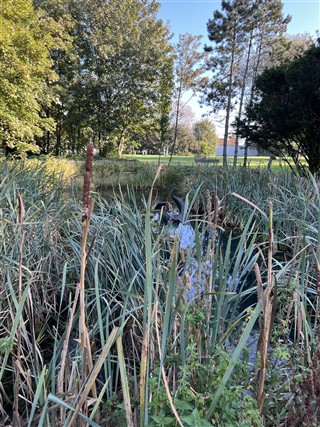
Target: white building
<point>252,151</point>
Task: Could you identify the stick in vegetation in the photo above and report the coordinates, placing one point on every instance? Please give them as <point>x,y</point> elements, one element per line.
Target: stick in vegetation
<point>124,383</point>
<point>17,358</point>
<point>147,311</point>
<point>86,214</point>
<point>87,207</point>
<point>87,183</point>
<point>268,309</point>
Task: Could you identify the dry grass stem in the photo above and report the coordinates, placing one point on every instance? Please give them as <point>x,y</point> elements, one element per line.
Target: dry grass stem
<point>268,310</point>
<point>61,380</point>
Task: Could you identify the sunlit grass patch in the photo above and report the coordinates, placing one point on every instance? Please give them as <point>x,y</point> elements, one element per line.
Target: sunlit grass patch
<point>252,161</point>
<point>57,167</point>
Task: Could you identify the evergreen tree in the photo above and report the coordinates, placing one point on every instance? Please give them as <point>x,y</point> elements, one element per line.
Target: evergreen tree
<point>247,36</point>
<point>228,31</point>
<point>269,42</point>
<point>284,114</point>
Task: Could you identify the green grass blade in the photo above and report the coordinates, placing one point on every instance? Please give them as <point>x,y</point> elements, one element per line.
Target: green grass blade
<point>41,382</point>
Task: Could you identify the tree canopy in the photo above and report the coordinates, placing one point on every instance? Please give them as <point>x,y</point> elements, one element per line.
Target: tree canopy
<point>74,70</point>
<point>246,36</point>
<point>121,79</point>
<point>206,136</point>
<point>284,116</point>
<point>189,70</point>
<point>26,38</point>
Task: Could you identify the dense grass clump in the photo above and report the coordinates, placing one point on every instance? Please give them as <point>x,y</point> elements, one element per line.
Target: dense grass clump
<point>107,320</point>
<point>295,199</point>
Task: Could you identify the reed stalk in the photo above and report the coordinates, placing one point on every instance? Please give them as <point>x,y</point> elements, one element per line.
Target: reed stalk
<point>165,381</point>
<point>268,304</point>
<point>61,389</point>
<point>17,360</point>
<point>124,382</point>
<point>137,278</point>
<point>147,312</point>
<point>90,381</point>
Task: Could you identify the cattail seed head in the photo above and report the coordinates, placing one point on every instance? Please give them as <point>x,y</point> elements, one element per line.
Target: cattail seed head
<point>22,211</point>
<point>87,182</point>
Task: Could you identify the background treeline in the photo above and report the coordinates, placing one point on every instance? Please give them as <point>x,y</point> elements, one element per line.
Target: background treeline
<point>75,71</point>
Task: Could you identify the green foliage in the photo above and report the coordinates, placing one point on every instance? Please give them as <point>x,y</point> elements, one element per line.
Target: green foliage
<point>189,63</point>
<point>246,36</point>
<point>56,168</point>
<point>206,136</point>
<point>6,344</point>
<point>303,408</point>
<point>116,81</point>
<point>139,280</point>
<point>26,38</point>
<point>197,381</point>
<point>283,118</point>
<point>185,139</point>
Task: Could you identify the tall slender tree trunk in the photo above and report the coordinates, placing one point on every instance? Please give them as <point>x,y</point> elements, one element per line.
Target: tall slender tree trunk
<point>78,138</point>
<point>47,144</point>
<point>244,82</point>
<point>47,136</point>
<point>59,137</point>
<point>121,143</point>
<point>254,77</point>
<point>226,127</point>
<point>176,122</point>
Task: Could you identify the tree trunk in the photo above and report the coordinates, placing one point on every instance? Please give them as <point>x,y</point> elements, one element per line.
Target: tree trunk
<point>236,148</point>
<point>121,144</point>
<point>176,122</point>
<point>255,73</point>
<point>226,127</point>
<point>58,141</point>
<point>78,138</point>
<point>271,158</point>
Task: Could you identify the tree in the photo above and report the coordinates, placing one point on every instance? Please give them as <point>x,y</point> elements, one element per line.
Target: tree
<point>120,78</point>
<point>246,36</point>
<point>26,38</point>
<point>185,139</point>
<point>189,74</point>
<point>297,45</point>
<point>269,43</point>
<point>284,114</point>
<point>228,32</point>
<point>206,136</point>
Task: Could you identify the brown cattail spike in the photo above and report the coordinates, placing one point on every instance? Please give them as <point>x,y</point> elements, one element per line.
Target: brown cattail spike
<point>22,211</point>
<point>89,157</point>
<point>86,182</point>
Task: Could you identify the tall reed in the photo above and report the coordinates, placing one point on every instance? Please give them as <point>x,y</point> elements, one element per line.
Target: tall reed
<point>159,329</point>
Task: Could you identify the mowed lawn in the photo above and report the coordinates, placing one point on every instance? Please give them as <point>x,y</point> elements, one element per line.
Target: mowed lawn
<point>253,161</point>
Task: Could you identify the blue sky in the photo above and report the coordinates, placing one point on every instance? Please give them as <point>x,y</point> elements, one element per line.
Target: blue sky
<point>192,15</point>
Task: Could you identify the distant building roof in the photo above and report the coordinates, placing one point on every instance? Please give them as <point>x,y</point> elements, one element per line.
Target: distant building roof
<point>231,142</point>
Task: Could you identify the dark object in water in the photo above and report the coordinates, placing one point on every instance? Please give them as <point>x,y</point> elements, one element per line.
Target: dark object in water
<point>168,216</point>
